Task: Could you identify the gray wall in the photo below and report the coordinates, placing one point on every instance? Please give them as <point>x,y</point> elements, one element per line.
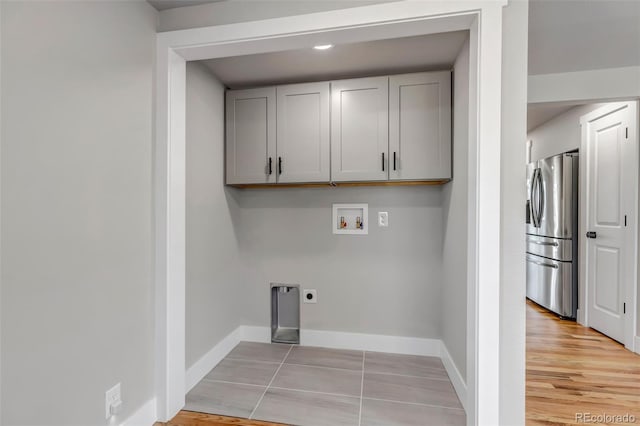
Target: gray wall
<point>387,282</point>
<point>214,274</point>
<point>560,134</point>
<point>232,11</point>
<point>456,213</point>
<point>77,305</point>
<point>512,203</point>
<point>240,241</point>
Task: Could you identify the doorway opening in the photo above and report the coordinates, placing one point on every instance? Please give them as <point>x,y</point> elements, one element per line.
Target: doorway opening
<point>568,357</point>
<point>389,20</point>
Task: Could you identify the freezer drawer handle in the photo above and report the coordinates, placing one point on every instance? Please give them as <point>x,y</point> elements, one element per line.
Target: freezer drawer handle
<point>544,243</point>
<point>591,234</point>
<point>548,265</point>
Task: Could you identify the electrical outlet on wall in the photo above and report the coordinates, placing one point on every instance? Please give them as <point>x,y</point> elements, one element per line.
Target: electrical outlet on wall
<point>383,219</point>
<point>309,296</point>
<point>112,401</point>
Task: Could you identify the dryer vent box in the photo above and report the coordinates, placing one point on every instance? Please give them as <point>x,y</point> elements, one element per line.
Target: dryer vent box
<point>285,313</point>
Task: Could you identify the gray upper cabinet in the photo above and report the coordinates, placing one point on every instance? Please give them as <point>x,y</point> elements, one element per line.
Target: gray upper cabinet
<point>359,129</point>
<point>251,136</point>
<point>420,126</point>
<point>375,129</point>
<point>303,133</point>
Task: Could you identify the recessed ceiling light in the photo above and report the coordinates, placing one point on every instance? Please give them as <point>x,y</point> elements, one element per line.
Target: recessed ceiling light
<point>323,46</point>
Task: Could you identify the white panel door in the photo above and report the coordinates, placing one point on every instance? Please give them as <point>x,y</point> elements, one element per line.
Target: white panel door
<point>303,133</point>
<point>610,211</point>
<point>359,129</point>
<point>251,136</point>
<point>420,126</point>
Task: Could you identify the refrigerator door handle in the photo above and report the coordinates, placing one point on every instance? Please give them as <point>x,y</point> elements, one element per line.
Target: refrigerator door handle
<point>543,243</point>
<point>540,187</point>
<point>534,181</point>
<point>547,265</point>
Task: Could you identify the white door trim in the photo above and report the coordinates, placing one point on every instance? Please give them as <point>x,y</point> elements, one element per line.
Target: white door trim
<point>389,20</point>
<point>631,287</point>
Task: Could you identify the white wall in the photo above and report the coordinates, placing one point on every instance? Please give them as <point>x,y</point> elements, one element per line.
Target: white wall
<point>586,86</point>
<point>456,215</point>
<point>560,134</point>
<point>569,35</point>
<point>387,282</point>
<point>232,11</point>
<point>77,305</point>
<point>512,203</point>
<point>214,275</point>
<point>583,50</point>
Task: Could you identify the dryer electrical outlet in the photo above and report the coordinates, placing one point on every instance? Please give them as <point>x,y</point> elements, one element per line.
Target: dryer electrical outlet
<point>309,296</point>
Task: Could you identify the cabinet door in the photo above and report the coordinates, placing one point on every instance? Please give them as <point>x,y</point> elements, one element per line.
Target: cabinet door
<point>303,133</point>
<point>251,136</point>
<point>420,126</point>
<point>359,129</point>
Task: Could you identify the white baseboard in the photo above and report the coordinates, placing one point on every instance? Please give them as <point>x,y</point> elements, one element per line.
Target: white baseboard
<point>636,344</point>
<point>353,341</point>
<point>459,383</point>
<point>370,342</point>
<point>197,371</point>
<point>144,416</point>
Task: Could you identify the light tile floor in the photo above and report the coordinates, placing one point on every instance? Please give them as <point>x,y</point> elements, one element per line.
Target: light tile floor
<point>311,386</point>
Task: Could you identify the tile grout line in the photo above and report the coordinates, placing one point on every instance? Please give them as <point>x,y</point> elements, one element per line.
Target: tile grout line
<point>341,394</point>
<point>313,391</point>
<point>342,369</point>
<point>271,381</point>
<point>260,361</point>
<point>416,403</point>
<point>364,355</point>
<point>234,383</point>
<point>447,379</point>
<point>281,388</point>
<point>291,363</point>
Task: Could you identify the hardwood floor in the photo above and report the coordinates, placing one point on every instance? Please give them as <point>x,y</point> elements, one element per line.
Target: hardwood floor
<point>190,418</point>
<point>573,369</point>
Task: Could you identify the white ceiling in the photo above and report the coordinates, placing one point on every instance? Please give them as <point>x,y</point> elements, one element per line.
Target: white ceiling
<point>409,54</point>
<point>574,35</point>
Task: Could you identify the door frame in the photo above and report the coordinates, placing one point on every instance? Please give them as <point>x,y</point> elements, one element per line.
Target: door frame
<point>631,286</point>
<point>483,19</point>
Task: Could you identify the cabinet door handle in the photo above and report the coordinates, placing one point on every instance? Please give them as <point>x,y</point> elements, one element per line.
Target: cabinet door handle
<point>279,165</point>
<point>394,160</point>
<point>383,161</point>
<point>270,169</point>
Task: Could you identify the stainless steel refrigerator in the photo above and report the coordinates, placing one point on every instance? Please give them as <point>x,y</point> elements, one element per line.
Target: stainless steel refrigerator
<point>552,233</point>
